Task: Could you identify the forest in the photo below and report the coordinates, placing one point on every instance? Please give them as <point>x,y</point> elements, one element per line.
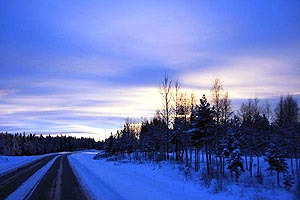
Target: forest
<point>20,144</point>
<point>192,132</point>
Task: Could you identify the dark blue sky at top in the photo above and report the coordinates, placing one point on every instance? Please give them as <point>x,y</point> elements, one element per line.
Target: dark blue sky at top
<point>65,65</point>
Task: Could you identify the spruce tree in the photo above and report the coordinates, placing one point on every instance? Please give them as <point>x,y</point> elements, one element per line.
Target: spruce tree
<point>203,125</point>
<point>274,157</point>
<point>233,154</point>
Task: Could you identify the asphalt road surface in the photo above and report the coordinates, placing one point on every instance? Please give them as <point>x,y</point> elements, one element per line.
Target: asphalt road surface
<point>58,183</point>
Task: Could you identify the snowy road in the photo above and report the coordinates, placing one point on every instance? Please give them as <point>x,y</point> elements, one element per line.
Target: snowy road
<point>50,177</point>
<point>9,182</point>
<point>59,183</point>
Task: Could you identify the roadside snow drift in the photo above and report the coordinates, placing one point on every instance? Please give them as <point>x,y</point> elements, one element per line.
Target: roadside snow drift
<point>8,163</point>
<point>102,179</point>
<point>113,180</point>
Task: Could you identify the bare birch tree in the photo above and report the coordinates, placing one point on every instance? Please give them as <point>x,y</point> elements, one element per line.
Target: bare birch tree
<point>165,89</point>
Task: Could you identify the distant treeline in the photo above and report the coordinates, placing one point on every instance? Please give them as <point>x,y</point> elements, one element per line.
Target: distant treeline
<point>21,144</point>
<point>187,130</point>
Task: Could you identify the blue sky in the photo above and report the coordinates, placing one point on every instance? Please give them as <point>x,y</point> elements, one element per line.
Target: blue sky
<point>84,66</point>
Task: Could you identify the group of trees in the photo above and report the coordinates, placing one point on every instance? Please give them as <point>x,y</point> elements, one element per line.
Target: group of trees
<point>21,144</point>
<point>189,131</point>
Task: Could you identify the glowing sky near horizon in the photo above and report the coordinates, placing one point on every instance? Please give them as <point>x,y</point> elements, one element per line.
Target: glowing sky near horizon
<point>82,67</point>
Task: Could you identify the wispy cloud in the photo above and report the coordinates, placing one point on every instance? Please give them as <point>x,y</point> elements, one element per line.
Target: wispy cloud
<point>90,106</point>
<point>247,77</point>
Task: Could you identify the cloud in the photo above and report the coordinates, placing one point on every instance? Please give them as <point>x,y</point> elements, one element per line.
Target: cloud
<point>89,107</point>
<point>247,77</point>
<point>164,32</point>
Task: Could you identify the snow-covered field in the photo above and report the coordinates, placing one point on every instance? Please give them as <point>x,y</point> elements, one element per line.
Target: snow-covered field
<point>124,180</point>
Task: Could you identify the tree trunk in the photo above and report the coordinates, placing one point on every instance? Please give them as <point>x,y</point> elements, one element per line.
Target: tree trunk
<point>167,146</point>
<point>257,165</point>
<point>217,162</point>
<point>221,166</point>
<point>278,184</point>
<point>176,151</point>
<point>187,156</point>
<point>207,159</point>
<point>246,162</point>
<point>250,165</point>
<point>292,165</point>
<point>297,168</point>
<point>196,165</point>
<point>210,159</point>
<point>181,155</point>
<point>191,156</point>
<point>198,159</point>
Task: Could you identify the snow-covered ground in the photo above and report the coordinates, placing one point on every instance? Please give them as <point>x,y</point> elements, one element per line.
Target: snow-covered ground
<point>115,180</point>
<point>124,180</point>
<point>104,179</point>
<point>8,163</point>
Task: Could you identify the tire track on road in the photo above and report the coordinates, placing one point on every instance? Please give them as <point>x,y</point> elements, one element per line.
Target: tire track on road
<point>59,183</point>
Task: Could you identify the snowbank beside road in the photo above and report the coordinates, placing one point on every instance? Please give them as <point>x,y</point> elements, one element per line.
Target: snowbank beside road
<point>114,180</point>
<point>132,181</point>
<point>8,163</point>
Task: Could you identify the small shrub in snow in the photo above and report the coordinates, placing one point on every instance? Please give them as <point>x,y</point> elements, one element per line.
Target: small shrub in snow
<point>156,165</point>
<point>114,158</point>
<point>259,197</point>
<point>236,163</point>
<point>297,191</point>
<point>141,162</point>
<point>269,182</point>
<point>100,155</point>
<point>218,185</point>
<point>186,171</point>
<point>205,179</point>
<point>260,178</point>
<point>117,163</point>
<point>288,181</point>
